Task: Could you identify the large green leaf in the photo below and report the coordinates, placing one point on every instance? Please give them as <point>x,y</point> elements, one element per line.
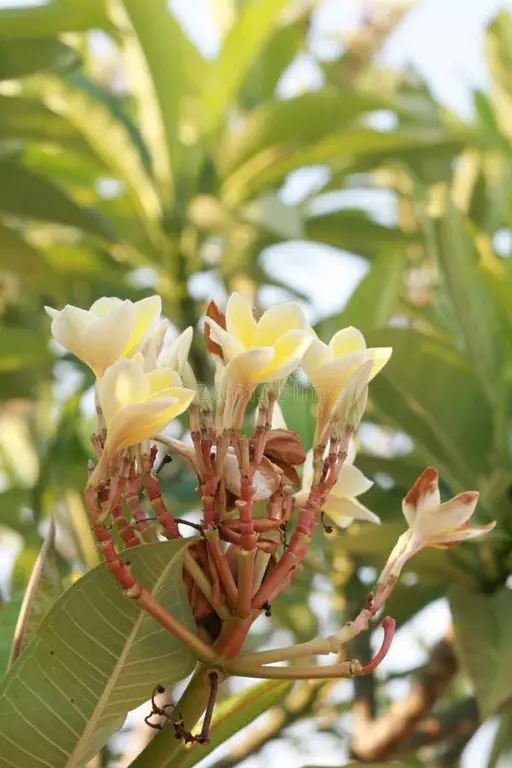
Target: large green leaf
<point>29,263</point>
<point>19,58</point>
<point>230,717</point>
<point>280,128</point>
<point>25,193</point>
<point>95,656</point>
<point>244,41</point>
<point>111,142</point>
<point>357,232</point>
<point>470,300</point>
<point>349,151</point>
<point>483,635</point>
<point>164,67</point>
<point>43,589</point>
<point>429,392</point>
<point>52,18</point>
<point>8,618</point>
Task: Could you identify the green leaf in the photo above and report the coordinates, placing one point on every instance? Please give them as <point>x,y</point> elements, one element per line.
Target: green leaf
<point>279,52</point>
<point>43,589</point>
<point>297,403</point>
<point>375,298</point>
<point>29,263</point>
<point>19,58</point>
<point>472,304</point>
<point>165,67</point>
<point>110,140</point>
<point>356,232</point>
<point>95,656</point>
<point>230,717</point>
<point>52,18</point>
<point>243,43</point>
<point>483,636</point>
<point>8,619</point>
<point>277,129</point>
<point>25,193</point>
<point>349,151</point>
<point>430,392</point>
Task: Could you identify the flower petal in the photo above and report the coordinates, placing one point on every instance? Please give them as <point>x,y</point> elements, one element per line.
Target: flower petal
<point>107,337</point>
<point>424,495</point>
<point>379,356</point>
<point>347,340</point>
<point>146,313</point>
<point>104,305</point>
<point>276,321</point>
<point>331,377</point>
<point>316,356</point>
<point>240,320</point>
<point>69,327</point>
<point>343,511</point>
<point>176,354</point>
<point>136,422</point>
<point>251,367</point>
<point>470,532</point>
<point>449,516</point>
<point>163,378</point>
<point>231,345</point>
<point>123,383</point>
<point>288,352</point>
<point>350,483</point>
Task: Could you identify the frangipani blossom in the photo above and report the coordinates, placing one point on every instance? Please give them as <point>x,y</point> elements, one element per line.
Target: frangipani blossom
<point>111,329</point>
<point>341,505</point>
<point>432,524</point>
<point>330,366</point>
<point>261,351</point>
<point>137,405</point>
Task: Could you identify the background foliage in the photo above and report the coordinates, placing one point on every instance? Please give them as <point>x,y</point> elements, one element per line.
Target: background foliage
<point>130,163</point>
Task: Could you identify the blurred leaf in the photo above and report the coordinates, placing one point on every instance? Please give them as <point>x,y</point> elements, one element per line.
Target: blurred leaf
<point>25,193</point>
<point>29,263</point>
<point>165,67</point>
<point>502,746</point>
<point>297,404</point>
<point>19,58</point>
<point>270,213</point>
<point>52,18</point>
<point>430,393</point>
<point>20,348</point>
<point>349,151</point>
<point>95,656</point>
<point>243,43</point>
<point>8,619</point>
<point>483,635</point>
<point>43,589</point>
<point>471,302</point>
<point>231,715</point>
<point>375,298</point>
<point>278,128</point>
<point>356,232</point>
<point>279,52</point>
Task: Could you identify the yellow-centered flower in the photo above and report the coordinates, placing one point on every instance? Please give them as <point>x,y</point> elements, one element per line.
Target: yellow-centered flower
<point>330,366</point>
<point>260,351</point>
<point>137,405</point>
<point>109,330</point>
<point>341,505</point>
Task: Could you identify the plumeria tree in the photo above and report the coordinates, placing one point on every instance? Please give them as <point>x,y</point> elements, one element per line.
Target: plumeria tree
<point>166,604</point>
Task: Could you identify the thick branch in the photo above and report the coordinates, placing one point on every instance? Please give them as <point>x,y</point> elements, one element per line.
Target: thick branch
<point>378,739</point>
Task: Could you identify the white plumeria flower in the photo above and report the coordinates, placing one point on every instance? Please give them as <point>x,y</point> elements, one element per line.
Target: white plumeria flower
<point>341,505</point>
<point>265,481</point>
<point>175,355</point>
<point>331,366</point>
<point>432,524</point>
<point>109,330</point>
<point>137,405</point>
<point>256,352</point>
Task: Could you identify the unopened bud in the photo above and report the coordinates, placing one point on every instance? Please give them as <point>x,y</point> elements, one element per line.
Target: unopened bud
<point>351,394</point>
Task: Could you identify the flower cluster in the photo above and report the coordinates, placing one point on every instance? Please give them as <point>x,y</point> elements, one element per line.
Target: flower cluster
<point>262,496</point>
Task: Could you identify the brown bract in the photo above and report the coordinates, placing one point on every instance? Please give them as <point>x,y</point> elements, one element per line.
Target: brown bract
<point>285,450</point>
<point>215,314</point>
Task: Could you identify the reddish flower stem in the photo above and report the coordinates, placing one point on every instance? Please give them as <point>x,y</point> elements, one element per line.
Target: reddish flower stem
<point>165,518</point>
